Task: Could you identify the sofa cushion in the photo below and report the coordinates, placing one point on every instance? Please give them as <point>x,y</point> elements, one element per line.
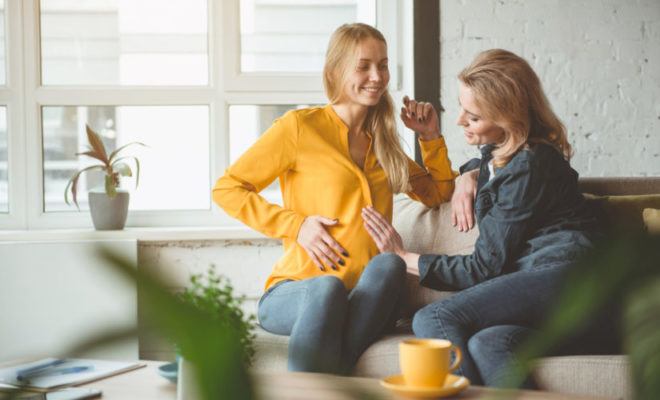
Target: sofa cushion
<point>271,350</point>
<point>625,211</point>
<point>607,376</point>
<point>381,359</point>
<point>427,230</point>
<point>651,218</point>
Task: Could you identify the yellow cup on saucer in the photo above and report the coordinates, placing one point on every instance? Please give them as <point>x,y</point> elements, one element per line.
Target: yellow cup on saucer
<point>425,362</point>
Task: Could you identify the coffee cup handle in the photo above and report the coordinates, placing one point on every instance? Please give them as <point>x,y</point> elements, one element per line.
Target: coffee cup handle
<point>457,358</point>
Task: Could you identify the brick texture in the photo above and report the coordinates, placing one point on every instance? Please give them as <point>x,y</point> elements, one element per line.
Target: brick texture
<point>599,61</point>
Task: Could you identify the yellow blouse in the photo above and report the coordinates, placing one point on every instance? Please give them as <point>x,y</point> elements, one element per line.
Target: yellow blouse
<point>308,150</point>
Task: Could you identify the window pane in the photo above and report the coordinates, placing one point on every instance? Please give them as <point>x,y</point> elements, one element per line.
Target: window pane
<point>174,168</point>
<point>3,45</point>
<point>292,35</point>
<point>246,124</point>
<point>4,166</point>
<point>124,42</point>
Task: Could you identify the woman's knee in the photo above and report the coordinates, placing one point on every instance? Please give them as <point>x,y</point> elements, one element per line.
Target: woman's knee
<point>493,348</point>
<point>434,319</point>
<point>480,342</point>
<point>425,324</point>
<point>497,341</point>
<point>326,291</point>
<point>385,267</point>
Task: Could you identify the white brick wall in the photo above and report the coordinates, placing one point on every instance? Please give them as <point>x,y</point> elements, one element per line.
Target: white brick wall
<point>599,61</point>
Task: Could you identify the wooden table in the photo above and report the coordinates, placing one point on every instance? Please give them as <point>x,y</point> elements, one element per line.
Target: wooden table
<point>146,384</point>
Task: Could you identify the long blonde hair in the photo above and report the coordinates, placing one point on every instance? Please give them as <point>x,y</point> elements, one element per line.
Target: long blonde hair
<point>340,61</point>
<point>509,93</point>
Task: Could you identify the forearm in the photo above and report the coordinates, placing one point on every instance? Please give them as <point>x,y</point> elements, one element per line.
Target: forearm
<point>411,260</point>
<point>434,185</point>
<point>443,272</point>
<point>240,201</point>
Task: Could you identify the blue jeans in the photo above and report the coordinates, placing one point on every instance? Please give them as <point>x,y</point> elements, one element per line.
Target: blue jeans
<point>511,305</point>
<point>492,348</point>
<point>329,326</point>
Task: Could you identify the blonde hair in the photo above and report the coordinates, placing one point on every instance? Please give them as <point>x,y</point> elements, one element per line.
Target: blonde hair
<point>509,93</point>
<point>340,62</point>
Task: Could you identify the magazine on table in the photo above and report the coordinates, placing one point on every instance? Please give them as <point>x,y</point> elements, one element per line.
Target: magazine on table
<point>51,373</point>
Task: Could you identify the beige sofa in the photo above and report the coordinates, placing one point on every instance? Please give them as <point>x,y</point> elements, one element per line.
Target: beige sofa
<point>429,231</point>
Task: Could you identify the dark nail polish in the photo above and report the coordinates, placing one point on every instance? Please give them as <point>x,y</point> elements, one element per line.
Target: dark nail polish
<point>419,120</point>
<point>342,263</point>
<point>322,268</point>
<point>412,113</point>
<point>345,254</point>
<point>333,267</point>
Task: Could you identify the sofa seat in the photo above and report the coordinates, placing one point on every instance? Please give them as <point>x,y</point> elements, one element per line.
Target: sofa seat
<point>606,376</point>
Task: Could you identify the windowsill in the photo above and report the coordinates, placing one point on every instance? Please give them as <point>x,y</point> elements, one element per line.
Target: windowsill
<point>142,234</point>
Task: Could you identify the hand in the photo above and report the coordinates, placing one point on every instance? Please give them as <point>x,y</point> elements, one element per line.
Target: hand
<point>462,200</point>
<point>382,232</point>
<point>421,118</point>
<point>388,239</point>
<point>317,242</point>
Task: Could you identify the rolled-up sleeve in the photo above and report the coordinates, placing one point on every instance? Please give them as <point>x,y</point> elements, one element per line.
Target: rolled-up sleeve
<point>434,185</point>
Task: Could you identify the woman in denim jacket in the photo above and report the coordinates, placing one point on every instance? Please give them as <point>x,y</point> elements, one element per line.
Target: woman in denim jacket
<point>533,221</point>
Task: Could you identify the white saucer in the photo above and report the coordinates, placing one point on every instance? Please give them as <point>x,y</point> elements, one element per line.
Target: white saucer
<point>453,384</point>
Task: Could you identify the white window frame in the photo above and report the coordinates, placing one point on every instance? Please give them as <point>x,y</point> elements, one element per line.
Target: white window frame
<point>24,97</point>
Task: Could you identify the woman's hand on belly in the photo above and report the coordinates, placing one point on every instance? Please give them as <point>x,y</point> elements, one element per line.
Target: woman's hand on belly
<point>319,244</point>
<point>382,232</point>
<point>388,239</point>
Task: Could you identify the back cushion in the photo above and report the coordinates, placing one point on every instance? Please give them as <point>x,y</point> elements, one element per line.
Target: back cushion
<point>652,220</point>
<point>625,211</point>
<point>427,230</point>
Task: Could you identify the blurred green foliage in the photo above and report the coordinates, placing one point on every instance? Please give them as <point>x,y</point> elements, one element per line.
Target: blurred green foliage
<point>214,295</point>
<point>620,275</point>
<point>203,338</point>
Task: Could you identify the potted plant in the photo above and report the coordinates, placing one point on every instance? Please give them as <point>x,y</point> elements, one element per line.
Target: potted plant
<point>109,205</point>
<point>213,296</point>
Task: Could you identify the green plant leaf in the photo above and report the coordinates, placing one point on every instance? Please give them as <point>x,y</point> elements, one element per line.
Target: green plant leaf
<point>212,350</point>
<point>213,294</point>
<point>73,183</point>
<point>94,155</point>
<point>97,145</point>
<point>110,188</point>
<point>122,168</point>
<point>113,167</point>
<point>617,267</point>
<point>642,339</point>
<point>137,166</point>
<point>114,153</point>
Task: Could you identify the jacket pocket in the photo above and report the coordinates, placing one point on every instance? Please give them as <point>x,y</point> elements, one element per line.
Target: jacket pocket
<point>484,202</point>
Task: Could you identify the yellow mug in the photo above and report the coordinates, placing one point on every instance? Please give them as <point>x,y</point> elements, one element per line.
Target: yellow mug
<point>425,362</point>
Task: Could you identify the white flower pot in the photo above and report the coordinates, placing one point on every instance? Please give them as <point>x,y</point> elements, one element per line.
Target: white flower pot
<point>107,213</point>
<point>187,383</point>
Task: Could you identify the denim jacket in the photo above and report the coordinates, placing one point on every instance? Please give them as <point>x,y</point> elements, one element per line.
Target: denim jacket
<point>530,214</point>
